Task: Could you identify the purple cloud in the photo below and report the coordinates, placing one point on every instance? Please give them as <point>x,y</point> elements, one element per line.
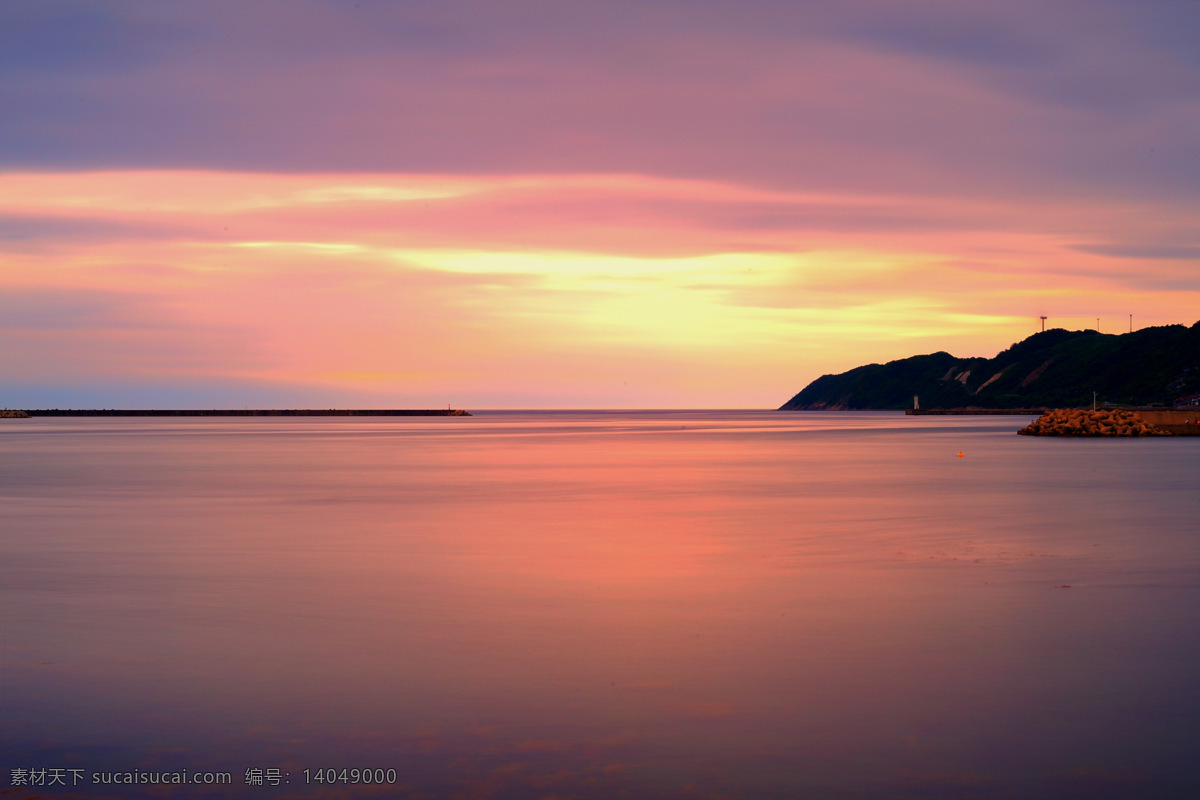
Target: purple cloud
<point>934,97</point>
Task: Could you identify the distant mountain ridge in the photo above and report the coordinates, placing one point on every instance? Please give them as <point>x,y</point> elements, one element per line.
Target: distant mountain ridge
<point>1054,368</point>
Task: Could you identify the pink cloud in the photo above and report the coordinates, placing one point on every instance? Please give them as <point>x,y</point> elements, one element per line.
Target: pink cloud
<point>578,289</point>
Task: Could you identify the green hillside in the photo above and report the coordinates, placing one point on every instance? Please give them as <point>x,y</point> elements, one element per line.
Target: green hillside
<point>1057,368</point>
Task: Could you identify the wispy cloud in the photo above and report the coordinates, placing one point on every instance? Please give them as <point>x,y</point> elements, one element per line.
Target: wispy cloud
<point>394,285</point>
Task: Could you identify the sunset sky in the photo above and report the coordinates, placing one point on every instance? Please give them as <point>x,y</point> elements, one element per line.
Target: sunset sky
<point>563,204</point>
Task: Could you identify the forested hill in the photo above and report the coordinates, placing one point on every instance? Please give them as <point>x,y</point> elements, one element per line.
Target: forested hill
<point>1056,368</point>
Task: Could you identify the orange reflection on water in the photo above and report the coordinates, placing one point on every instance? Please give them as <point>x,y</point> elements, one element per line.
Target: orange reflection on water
<point>595,603</point>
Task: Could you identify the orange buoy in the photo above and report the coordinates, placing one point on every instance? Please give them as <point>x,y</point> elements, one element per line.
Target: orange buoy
<point>960,455</point>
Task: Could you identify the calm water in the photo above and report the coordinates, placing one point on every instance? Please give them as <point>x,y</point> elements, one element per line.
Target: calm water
<point>597,605</point>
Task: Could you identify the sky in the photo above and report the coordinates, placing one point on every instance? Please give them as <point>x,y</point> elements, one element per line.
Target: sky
<point>652,204</point>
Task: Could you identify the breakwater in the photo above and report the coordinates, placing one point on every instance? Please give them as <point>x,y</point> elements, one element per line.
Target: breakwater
<point>1113,422</point>
<point>246,412</point>
<point>1181,422</point>
<point>955,412</point>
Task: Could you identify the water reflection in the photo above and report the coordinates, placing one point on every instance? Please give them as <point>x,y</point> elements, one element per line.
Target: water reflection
<point>709,604</point>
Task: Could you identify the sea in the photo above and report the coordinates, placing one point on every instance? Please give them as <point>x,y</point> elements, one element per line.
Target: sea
<point>600,604</point>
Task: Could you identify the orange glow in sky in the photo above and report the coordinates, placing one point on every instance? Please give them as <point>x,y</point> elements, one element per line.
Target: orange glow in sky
<point>576,290</point>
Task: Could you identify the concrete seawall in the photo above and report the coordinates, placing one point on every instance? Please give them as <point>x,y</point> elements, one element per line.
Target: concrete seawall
<point>1180,423</point>
<point>971,412</point>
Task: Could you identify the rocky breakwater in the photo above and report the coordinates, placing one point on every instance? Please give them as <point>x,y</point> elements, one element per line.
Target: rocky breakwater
<point>1080,422</point>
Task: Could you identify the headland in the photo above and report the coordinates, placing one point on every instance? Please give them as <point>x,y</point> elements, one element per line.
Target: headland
<point>1156,366</point>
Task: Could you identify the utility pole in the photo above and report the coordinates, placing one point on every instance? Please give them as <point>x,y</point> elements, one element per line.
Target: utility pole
<point>1131,323</point>
<point>1097,324</point>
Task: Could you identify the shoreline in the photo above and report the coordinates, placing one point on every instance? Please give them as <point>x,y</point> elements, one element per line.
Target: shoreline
<point>246,412</point>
